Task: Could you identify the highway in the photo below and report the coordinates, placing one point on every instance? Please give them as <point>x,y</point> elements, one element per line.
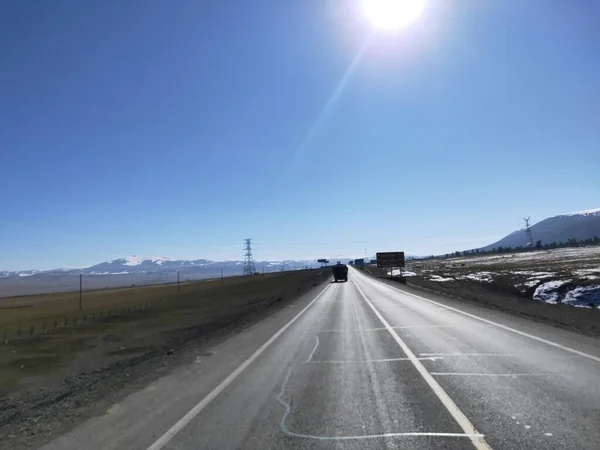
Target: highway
<point>369,365</point>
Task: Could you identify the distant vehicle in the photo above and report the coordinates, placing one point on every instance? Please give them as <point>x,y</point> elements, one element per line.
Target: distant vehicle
<point>359,262</point>
<point>340,272</point>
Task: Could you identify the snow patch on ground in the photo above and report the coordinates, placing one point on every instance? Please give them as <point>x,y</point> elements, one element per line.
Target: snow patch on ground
<point>532,273</point>
<point>560,254</point>
<point>584,272</point>
<point>398,272</point>
<point>528,284</point>
<point>548,292</point>
<point>438,278</point>
<point>486,277</point>
<point>583,296</point>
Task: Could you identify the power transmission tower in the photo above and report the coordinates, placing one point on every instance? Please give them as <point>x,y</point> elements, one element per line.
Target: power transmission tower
<point>249,268</point>
<point>528,235</point>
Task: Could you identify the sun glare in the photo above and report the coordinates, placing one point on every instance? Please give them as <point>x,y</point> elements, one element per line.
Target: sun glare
<point>393,14</point>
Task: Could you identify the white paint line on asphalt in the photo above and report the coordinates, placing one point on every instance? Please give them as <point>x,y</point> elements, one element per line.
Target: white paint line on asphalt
<point>478,374</point>
<point>497,355</point>
<point>288,410</point>
<point>476,439</point>
<point>496,324</point>
<point>473,354</point>
<point>400,327</point>
<point>314,349</point>
<point>350,361</point>
<point>170,434</point>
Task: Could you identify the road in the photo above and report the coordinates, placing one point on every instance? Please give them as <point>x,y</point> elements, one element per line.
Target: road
<point>366,365</point>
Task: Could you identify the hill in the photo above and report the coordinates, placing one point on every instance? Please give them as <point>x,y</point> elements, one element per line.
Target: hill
<point>580,225</point>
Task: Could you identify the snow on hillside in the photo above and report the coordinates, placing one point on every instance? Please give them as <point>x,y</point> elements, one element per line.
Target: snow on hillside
<point>586,212</point>
<point>136,260</point>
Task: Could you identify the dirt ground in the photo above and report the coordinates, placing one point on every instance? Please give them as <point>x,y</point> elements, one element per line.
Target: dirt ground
<point>93,367</point>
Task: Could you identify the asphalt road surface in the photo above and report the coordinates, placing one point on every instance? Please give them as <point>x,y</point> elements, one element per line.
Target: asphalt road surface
<point>367,365</point>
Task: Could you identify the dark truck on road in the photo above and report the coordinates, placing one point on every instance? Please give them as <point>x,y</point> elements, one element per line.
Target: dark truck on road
<point>340,272</point>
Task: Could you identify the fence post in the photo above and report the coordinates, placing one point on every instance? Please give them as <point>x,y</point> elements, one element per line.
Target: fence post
<point>85,318</point>
<point>66,322</point>
<point>19,332</point>
<point>31,331</point>
<point>55,323</point>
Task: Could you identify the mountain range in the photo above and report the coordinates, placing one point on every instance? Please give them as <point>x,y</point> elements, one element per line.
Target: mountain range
<point>135,264</point>
<point>135,270</point>
<point>580,225</point>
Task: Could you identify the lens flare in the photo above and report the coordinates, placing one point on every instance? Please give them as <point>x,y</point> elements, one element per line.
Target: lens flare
<point>393,14</point>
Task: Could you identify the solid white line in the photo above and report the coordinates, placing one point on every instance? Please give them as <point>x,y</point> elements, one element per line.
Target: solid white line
<point>477,374</point>
<point>475,354</point>
<point>399,327</point>
<point>497,355</point>
<point>499,325</point>
<point>170,434</point>
<point>313,350</point>
<point>476,439</point>
<point>350,361</point>
<point>288,410</point>
<point>472,354</point>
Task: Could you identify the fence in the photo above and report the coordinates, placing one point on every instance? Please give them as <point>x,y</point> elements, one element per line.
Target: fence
<point>80,319</point>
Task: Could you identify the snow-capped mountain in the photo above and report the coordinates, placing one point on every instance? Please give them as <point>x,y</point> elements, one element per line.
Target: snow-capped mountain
<point>580,225</point>
<point>140,265</point>
<point>132,270</point>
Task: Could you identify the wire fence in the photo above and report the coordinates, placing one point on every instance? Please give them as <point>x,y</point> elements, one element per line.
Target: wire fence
<point>80,319</point>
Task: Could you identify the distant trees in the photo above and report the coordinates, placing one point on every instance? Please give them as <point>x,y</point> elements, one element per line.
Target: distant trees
<point>571,242</point>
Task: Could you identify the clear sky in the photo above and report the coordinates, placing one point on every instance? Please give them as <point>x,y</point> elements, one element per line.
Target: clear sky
<point>180,128</point>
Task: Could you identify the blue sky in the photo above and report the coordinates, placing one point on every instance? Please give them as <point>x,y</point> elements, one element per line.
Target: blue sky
<point>181,128</point>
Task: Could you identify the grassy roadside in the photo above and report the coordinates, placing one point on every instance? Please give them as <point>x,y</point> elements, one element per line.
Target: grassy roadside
<point>199,308</point>
<point>44,308</point>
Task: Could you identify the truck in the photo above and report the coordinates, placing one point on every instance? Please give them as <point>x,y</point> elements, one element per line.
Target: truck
<point>340,272</point>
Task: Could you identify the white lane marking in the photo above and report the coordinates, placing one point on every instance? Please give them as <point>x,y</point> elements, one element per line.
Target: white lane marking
<point>399,327</point>
<point>479,374</point>
<point>170,434</point>
<point>473,354</point>
<point>497,355</point>
<point>547,434</point>
<point>408,327</point>
<point>288,410</point>
<point>350,361</point>
<point>313,350</point>
<point>476,439</point>
<point>499,325</point>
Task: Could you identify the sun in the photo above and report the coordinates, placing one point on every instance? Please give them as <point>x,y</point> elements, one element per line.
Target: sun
<point>393,14</point>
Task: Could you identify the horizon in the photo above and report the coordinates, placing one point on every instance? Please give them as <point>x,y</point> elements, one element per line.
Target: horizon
<point>299,125</point>
<point>241,246</point>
